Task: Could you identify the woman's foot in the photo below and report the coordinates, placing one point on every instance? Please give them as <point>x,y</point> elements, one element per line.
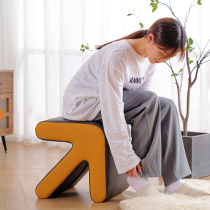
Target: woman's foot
<point>186,188</point>
<point>142,186</point>
<point>137,182</point>
<point>189,189</point>
<point>147,190</point>
<point>173,188</point>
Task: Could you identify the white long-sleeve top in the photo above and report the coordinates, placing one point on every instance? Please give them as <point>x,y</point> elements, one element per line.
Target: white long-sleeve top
<point>98,85</point>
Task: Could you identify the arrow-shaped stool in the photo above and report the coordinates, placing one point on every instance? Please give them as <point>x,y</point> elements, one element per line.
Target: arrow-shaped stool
<point>90,151</point>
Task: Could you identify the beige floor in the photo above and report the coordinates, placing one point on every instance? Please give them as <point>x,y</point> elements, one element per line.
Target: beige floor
<point>24,166</point>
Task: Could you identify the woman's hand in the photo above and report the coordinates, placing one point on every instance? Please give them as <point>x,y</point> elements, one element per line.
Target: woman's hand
<point>133,172</point>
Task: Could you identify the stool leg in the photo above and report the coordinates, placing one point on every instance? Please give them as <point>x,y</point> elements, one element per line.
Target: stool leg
<point>4,143</point>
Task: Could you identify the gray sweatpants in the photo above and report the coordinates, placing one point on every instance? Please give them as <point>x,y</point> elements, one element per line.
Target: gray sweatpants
<point>156,135</point>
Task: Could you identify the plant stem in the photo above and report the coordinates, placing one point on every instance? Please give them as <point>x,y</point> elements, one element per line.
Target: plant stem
<point>170,10</point>
<point>187,15</point>
<point>185,120</point>
<point>188,111</point>
<point>179,101</point>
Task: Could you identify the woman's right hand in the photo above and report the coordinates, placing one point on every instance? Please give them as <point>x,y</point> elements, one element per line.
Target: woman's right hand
<point>133,172</point>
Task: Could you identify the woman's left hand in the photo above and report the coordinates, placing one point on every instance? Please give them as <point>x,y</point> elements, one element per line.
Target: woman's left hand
<point>133,172</point>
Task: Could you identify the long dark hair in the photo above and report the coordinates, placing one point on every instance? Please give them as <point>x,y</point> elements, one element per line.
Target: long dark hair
<point>169,34</point>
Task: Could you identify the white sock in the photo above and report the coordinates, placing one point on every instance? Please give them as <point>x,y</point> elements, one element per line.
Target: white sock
<point>174,186</point>
<point>137,182</point>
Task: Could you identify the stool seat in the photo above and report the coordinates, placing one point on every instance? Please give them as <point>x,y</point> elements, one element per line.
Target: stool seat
<point>90,151</point>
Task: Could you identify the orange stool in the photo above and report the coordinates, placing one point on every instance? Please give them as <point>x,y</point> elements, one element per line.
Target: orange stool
<point>90,151</point>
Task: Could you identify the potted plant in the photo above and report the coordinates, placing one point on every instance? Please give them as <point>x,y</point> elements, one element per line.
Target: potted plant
<point>196,144</point>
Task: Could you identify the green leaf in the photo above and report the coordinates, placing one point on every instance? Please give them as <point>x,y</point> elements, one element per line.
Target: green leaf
<point>180,71</point>
<point>157,1</point>
<point>190,41</point>
<point>142,26</point>
<point>154,7</point>
<point>82,45</point>
<point>129,14</point>
<point>190,62</point>
<point>189,48</point>
<point>175,74</point>
<point>83,50</point>
<point>86,47</point>
<point>199,2</point>
<point>152,0</point>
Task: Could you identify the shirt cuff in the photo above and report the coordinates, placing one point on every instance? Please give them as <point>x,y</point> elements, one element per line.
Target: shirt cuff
<point>129,165</point>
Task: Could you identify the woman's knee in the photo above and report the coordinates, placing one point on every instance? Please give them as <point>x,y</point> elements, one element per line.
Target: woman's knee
<point>167,102</point>
<point>139,97</point>
<point>151,96</point>
<point>127,94</point>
